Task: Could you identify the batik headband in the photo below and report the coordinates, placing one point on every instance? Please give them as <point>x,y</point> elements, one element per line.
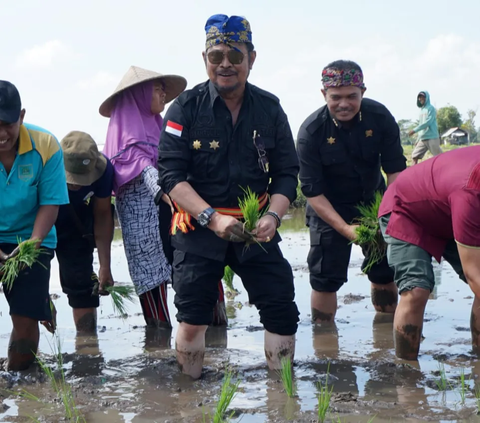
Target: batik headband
<point>224,29</point>
<point>333,77</point>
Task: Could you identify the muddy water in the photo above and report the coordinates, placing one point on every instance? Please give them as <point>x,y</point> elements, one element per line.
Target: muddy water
<point>129,374</point>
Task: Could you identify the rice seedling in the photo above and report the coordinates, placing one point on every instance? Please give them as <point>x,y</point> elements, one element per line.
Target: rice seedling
<point>442,383</point>
<point>250,208</point>
<point>120,295</point>
<point>60,386</point>
<point>463,387</point>
<point>324,397</point>
<point>286,374</point>
<point>27,256</point>
<point>228,276</point>
<point>368,232</point>
<point>227,394</point>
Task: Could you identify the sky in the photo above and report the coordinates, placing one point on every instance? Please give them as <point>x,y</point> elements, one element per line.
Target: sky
<point>66,58</point>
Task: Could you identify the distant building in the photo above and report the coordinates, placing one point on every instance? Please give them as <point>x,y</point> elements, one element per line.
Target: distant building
<point>456,136</point>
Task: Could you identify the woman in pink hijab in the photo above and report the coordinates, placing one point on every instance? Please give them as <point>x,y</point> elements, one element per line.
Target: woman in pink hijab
<point>132,146</point>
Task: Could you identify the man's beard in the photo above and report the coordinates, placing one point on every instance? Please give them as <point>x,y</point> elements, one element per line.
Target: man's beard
<point>227,90</point>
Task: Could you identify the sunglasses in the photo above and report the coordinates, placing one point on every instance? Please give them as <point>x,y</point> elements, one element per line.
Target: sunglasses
<point>235,57</point>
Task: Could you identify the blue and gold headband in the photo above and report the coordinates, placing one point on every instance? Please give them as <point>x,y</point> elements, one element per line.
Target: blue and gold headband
<point>224,29</point>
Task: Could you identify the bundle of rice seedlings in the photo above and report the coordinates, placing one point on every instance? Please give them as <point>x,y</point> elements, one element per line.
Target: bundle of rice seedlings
<point>27,256</point>
<point>368,232</point>
<point>228,276</point>
<point>120,295</point>
<point>250,207</point>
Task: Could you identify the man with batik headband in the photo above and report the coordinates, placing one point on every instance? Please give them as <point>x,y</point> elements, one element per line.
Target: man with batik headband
<point>219,138</point>
<point>342,148</point>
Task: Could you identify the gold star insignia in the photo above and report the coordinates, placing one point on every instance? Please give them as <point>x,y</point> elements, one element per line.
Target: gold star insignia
<point>214,144</point>
<point>369,133</point>
<point>331,140</point>
<point>197,145</point>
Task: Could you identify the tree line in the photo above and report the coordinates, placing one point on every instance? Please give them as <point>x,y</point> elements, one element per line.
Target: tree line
<point>447,117</point>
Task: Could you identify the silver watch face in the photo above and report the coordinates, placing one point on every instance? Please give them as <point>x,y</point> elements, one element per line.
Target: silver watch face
<point>203,219</point>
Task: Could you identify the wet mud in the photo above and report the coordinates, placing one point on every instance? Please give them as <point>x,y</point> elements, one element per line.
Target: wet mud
<point>128,373</point>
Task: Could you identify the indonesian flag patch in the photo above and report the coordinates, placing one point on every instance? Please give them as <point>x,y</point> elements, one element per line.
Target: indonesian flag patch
<point>174,128</point>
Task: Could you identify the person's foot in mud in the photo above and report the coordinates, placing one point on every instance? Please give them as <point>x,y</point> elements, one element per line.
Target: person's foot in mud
<point>384,297</point>
<point>324,306</point>
<point>278,347</point>
<point>23,343</point>
<point>408,323</point>
<point>85,320</point>
<point>190,349</point>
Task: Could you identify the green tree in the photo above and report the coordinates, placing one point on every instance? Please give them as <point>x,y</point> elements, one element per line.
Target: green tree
<point>405,126</point>
<point>448,117</point>
<point>469,125</point>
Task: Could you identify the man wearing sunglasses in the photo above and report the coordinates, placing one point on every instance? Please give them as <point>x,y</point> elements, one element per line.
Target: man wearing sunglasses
<point>342,147</point>
<point>220,138</point>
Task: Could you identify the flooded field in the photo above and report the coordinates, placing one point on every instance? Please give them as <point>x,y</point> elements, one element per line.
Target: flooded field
<point>129,374</point>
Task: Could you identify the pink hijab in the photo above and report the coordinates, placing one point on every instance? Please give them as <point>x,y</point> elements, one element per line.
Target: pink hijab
<point>133,134</point>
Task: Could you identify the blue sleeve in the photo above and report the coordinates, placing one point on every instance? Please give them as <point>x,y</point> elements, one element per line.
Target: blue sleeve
<point>52,187</point>
<point>427,123</point>
<point>104,185</point>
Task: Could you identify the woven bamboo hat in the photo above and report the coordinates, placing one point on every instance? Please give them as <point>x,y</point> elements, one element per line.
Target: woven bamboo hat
<point>174,86</point>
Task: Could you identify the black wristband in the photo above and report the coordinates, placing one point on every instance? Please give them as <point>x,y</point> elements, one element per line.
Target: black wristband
<point>275,216</point>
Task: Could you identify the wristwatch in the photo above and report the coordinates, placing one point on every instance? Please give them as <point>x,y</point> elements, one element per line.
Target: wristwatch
<point>205,217</point>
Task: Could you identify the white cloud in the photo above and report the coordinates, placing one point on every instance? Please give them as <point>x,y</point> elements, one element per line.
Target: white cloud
<point>101,79</point>
<point>43,56</point>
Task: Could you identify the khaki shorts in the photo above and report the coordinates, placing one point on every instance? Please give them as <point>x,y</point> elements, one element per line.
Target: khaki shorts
<point>422,147</point>
<point>413,265</point>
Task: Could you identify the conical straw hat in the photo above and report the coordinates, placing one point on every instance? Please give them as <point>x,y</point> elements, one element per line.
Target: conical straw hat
<point>174,86</point>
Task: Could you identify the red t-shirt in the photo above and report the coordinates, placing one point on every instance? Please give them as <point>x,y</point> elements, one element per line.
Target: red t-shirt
<point>436,201</point>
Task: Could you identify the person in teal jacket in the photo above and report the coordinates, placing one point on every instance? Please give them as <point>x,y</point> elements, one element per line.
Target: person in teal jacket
<point>428,137</point>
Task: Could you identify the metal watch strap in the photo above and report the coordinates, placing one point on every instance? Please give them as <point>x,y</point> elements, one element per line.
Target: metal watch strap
<point>275,216</point>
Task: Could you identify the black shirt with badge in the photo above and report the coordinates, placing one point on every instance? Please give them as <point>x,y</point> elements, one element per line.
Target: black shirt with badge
<point>200,145</point>
<point>344,163</point>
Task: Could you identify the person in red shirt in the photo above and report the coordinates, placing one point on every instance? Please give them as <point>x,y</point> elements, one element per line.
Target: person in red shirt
<point>432,210</point>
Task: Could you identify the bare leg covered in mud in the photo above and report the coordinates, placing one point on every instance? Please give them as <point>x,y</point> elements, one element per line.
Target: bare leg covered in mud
<point>384,297</point>
<point>475,325</point>
<point>85,320</point>
<point>324,306</point>
<point>408,323</point>
<point>278,347</point>
<point>190,347</point>
<point>23,343</point>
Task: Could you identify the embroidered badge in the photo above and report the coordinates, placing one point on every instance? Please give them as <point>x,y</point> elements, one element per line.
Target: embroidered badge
<point>369,133</point>
<point>25,172</point>
<point>197,145</point>
<point>331,140</point>
<point>214,145</point>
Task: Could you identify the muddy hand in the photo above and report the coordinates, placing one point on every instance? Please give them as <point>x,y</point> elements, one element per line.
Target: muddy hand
<point>229,228</point>
<point>13,253</point>
<point>266,229</point>
<point>105,279</point>
<point>51,325</point>
<point>3,257</point>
